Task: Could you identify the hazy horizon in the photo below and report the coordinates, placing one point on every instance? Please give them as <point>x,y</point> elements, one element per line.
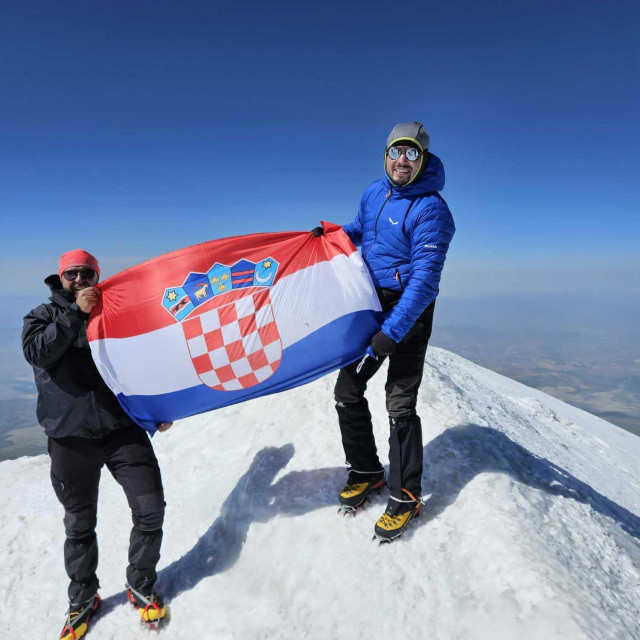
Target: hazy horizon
<point>583,350</point>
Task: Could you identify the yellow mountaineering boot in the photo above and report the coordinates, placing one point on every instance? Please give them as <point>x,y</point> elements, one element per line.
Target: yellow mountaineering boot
<point>397,516</point>
<point>78,618</point>
<point>359,486</point>
<point>151,608</point>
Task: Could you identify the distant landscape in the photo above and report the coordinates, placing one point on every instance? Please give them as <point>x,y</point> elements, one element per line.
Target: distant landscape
<point>583,351</point>
<point>20,434</point>
<point>583,369</point>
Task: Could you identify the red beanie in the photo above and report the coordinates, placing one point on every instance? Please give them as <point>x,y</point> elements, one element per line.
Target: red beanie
<point>77,258</point>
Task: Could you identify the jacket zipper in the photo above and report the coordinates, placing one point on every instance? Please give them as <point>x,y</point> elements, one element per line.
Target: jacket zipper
<point>94,403</point>
<point>375,228</point>
<point>398,278</point>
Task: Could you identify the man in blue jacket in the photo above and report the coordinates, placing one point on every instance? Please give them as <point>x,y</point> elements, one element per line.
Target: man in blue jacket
<point>404,228</point>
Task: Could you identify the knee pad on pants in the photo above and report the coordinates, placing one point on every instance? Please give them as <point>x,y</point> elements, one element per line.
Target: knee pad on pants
<point>148,513</point>
<point>80,524</point>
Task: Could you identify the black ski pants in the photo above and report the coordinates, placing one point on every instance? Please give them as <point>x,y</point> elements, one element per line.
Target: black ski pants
<point>406,366</point>
<point>75,475</point>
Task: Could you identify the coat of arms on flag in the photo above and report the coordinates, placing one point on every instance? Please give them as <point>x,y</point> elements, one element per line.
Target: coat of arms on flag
<point>228,323</point>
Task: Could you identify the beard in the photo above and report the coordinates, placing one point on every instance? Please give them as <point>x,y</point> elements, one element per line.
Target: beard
<point>76,288</point>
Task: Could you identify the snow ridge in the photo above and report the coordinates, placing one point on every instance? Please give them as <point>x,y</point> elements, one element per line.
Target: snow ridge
<point>530,527</point>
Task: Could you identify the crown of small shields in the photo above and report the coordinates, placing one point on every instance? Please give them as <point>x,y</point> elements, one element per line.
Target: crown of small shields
<point>198,288</point>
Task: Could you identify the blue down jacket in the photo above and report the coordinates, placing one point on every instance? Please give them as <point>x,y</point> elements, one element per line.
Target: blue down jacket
<point>405,233</point>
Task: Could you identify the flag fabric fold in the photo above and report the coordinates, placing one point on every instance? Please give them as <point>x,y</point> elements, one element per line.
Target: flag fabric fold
<point>229,320</point>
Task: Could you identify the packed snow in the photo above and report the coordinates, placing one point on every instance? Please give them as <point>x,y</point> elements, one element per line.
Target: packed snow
<point>530,528</point>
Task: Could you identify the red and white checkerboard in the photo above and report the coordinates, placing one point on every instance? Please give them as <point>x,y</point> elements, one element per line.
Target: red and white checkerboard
<point>236,345</point>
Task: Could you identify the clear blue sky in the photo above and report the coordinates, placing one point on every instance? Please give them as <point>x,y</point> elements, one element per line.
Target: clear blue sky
<point>132,128</point>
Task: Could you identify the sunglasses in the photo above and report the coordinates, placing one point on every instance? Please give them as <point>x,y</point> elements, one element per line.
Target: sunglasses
<point>72,274</point>
<point>410,153</point>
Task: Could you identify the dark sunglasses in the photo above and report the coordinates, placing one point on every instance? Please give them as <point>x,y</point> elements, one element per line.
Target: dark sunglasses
<point>72,274</point>
<point>410,153</point>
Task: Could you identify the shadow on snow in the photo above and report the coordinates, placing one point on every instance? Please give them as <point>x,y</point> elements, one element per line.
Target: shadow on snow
<point>451,461</point>
<point>458,455</point>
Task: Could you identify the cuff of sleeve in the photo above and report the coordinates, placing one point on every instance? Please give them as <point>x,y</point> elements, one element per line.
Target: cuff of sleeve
<point>391,334</point>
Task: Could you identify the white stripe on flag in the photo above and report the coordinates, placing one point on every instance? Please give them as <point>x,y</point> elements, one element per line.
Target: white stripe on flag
<point>159,362</point>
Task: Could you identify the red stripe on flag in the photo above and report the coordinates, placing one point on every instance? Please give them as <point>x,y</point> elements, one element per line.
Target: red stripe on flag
<point>132,300</point>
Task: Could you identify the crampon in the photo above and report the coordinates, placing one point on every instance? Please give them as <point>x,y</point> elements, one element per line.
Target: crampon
<point>357,490</point>
<point>397,517</point>
<point>152,610</point>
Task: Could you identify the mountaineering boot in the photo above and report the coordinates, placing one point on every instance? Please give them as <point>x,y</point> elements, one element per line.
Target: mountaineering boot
<point>78,618</point>
<point>151,608</point>
<point>358,487</point>
<point>396,518</point>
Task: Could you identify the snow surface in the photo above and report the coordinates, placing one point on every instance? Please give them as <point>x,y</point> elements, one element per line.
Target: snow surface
<point>530,528</point>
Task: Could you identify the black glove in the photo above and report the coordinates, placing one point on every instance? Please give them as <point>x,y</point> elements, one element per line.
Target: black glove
<point>382,344</point>
<point>317,232</point>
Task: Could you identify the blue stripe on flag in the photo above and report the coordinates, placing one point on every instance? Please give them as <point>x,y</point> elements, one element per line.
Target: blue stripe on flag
<point>308,359</point>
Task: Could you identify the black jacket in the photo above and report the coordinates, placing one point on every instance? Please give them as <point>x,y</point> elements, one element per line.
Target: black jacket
<point>73,400</point>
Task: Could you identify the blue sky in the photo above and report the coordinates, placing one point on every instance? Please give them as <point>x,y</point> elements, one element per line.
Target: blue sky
<point>133,128</point>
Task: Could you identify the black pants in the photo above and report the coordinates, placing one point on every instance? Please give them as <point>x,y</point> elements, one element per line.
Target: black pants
<point>406,366</point>
<point>75,475</point>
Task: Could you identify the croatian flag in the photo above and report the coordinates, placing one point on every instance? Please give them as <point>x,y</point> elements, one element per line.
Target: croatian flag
<point>229,320</point>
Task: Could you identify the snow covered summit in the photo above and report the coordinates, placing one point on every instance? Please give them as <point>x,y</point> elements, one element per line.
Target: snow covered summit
<point>530,529</point>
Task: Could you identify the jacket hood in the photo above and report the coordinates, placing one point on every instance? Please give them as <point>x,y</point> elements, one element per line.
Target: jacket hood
<point>431,179</point>
<point>57,290</point>
<point>53,282</point>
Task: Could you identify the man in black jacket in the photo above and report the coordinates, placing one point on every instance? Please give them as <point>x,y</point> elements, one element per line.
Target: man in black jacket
<point>87,429</point>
